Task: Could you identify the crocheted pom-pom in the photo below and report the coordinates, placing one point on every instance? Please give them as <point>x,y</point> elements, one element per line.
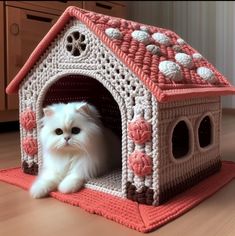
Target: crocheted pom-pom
<point>141,36</point>
<point>180,41</point>
<point>206,74</point>
<point>139,131</point>
<point>140,163</point>
<point>184,59</point>
<point>197,56</point>
<point>30,145</point>
<point>28,119</point>
<point>161,38</point>
<point>171,70</point>
<point>113,33</point>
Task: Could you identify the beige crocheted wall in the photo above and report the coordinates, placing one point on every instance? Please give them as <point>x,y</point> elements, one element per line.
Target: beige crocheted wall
<point>175,171</point>
<point>95,61</point>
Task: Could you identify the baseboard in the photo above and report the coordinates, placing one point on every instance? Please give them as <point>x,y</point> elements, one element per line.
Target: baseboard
<point>228,111</point>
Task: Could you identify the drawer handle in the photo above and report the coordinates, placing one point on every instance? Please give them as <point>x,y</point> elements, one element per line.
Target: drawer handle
<point>14,29</point>
<point>39,18</point>
<point>103,6</point>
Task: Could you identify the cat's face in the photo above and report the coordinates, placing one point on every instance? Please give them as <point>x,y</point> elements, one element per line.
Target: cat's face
<point>69,127</point>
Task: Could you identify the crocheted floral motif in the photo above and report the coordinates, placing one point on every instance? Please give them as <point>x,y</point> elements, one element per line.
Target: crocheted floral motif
<point>28,119</point>
<point>140,163</point>
<point>139,131</point>
<point>180,41</point>
<point>141,36</point>
<point>161,38</point>
<point>206,74</point>
<point>113,33</point>
<point>197,56</point>
<point>30,146</point>
<point>184,60</point>
<point>171,70</point>
<point>75,43</point>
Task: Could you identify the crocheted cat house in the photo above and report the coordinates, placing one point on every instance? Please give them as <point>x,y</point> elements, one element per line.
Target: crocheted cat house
<point>155,91</point>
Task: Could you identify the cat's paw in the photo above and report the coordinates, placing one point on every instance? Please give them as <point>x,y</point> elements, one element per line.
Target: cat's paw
<point>39,190</point>
<point>70,185</point>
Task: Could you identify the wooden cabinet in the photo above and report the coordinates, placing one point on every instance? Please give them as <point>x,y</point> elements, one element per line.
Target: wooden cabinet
<point>2,72</point>
<point>24,30</point>
<point>117,8</point>
<point>24,25</point>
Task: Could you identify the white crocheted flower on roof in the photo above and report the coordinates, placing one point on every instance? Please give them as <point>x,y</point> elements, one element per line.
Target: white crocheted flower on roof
<point>153,49</point>
<point>206,74</point>
<point>141,36</point>
<point>171,70</point>
<point>197,56</point>
<point>180,41</point>
<point>161,38</point>
<point>113,33</point>
<point>184,60</point>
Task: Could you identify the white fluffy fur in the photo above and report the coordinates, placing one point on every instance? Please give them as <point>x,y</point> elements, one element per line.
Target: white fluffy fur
<point>68,164</point>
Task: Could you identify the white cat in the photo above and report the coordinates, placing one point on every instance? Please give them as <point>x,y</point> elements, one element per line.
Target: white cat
<point>75,148</point>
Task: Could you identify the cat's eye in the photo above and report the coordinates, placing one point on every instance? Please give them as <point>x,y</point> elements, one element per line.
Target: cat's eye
<point>59,131</point>
<point>75,130</point>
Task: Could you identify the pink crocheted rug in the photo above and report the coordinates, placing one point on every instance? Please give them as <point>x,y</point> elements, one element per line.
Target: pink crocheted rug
<point>131,214</point>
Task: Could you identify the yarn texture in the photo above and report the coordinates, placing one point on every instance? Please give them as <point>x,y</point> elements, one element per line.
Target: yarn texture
<point>140,163</point>
<point>28,119</point>
<point>30,146</point>
<point>139,131</point>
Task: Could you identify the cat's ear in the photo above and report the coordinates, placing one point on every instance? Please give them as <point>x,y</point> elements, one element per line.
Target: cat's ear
<point>88,110</point>
<point>48,111</point>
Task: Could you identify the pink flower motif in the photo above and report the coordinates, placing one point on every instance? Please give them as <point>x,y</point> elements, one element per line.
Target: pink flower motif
<point>139,131</point>
<point>30,145</point>
<point>140,163</point>
<point>28,119</point>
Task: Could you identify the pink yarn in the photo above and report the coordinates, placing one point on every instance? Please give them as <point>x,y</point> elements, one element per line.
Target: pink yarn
<point>28,119</point>
<point>139,131</point>
<point>30,145</point>
<point>140,163</point>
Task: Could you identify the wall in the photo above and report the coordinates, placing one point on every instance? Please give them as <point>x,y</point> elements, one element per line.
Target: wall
<point>206,25</point>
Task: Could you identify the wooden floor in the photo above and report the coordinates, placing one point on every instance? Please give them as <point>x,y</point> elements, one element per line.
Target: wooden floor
<point>22,215</point>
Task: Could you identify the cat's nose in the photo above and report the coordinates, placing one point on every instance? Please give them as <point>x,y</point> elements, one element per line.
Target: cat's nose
<point>67,138</point>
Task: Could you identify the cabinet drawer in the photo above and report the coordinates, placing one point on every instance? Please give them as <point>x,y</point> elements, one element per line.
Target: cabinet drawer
<point>51,7</point>
<point>106,7</point>
<point>25,29</point>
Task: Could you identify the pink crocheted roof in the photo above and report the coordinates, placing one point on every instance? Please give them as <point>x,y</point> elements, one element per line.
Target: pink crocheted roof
<point>167,65</point>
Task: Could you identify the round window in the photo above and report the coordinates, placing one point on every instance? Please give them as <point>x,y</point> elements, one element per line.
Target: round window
<point>181,139</point>
<point>205,132</point>
<point>75,43</point>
